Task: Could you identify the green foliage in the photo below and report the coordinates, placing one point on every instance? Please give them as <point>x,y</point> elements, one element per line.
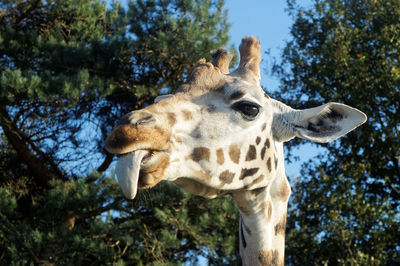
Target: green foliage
<point>164,229</point>
<point>345,209</point>
<point>68,70</point>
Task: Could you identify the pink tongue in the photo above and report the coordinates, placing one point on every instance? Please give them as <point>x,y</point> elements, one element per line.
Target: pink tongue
<point>127,171</point>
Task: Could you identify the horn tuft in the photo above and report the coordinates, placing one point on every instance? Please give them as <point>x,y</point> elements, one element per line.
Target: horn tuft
<point>250,58</point>
<point>221,59</point>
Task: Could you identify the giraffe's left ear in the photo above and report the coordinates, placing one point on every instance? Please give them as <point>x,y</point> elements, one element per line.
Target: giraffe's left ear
<point>320,124</point>
<point>162,97</point>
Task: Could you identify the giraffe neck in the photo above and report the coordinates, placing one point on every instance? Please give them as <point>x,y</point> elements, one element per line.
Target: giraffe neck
<point>262,223</point>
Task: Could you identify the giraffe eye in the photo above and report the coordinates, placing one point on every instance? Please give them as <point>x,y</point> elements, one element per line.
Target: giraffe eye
<point>248,110</point>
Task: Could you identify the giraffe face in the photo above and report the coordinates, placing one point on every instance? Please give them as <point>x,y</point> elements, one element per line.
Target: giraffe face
<point>220,132</point>
<point>208,141</point>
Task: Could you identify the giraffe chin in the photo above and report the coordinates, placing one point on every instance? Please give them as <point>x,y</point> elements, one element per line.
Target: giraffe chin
<point>140,169</point>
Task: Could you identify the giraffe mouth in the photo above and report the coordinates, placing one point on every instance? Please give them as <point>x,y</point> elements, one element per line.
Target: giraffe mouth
<point>138,169</point>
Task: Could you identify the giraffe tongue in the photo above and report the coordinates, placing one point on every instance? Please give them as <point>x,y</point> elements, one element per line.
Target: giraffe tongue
<point>127,171</point>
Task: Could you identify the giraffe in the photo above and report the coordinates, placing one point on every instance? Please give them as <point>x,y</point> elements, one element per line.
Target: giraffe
<point>221,133</point>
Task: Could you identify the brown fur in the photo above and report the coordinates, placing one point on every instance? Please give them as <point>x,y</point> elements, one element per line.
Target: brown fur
<point>220,157</point>
<point>255,181</point>
<point>258,140</point>
<point>267,209</point>
<point>247,172</point>
<point>258,191</point>
<point>250,58</point>
<point>283,192</point>
<point>267,143</point>
<point>243,207</point>
<point>221,59</point>
<point>269,257</point>
<point>280,227</point>
<point>203,176</point>
<point>171,119</point>
<point>263,152</point>
<point>263,126</point>
<point>151,176</point>
<point>226,177</point>
<point>187,115</point>
<point>204,77</point>
<point>251,153</point>
<point>125,138</point>
<point>269,164</point>
<point>234,153</point>
<point>200,153</point>
<point>197,188</point>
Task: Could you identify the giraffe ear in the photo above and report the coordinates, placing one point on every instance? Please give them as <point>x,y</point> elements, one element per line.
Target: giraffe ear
<point>162,97</point>
<point>320,124</point>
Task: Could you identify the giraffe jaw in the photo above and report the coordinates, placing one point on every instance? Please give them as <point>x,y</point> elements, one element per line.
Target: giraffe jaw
<point>140,169</point>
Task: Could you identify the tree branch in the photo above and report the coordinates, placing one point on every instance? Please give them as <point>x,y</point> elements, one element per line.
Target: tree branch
<point>16,139</point>
<point>106,163</point>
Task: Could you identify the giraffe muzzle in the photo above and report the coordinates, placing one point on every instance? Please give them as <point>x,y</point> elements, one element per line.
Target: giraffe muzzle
<point>142,147</point>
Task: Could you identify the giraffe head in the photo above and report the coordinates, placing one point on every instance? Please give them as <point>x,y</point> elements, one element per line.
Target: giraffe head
<point>220,132</point>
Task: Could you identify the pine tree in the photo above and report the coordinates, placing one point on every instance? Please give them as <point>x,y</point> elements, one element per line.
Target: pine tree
<point>68,70</point>
<point>345,205</point>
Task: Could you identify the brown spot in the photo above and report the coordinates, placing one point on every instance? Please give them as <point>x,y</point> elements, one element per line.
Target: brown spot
<point>269,257</point>
<point>258,191</point>
<point>220,157</point>
<point>283,193</point>
<point>276,161</point>
<point>267,143</point>
<point>263,153</point>
<point>226,176</point>
<point>266,95</point>
<point>234,153</point>
<point>263,126</point>
<point>247,172</point>
<point>200,153</point>
<point>269,164</point>
<point>187,115</point>
<point>267,209</point>
<point>251,153</point>
<point>280,227</point>
<point>171,119</point>
<point>257,180</point>
<point>258,140</point>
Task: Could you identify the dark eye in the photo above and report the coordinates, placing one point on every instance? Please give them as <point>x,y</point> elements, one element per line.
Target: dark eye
<point>248,109</point>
